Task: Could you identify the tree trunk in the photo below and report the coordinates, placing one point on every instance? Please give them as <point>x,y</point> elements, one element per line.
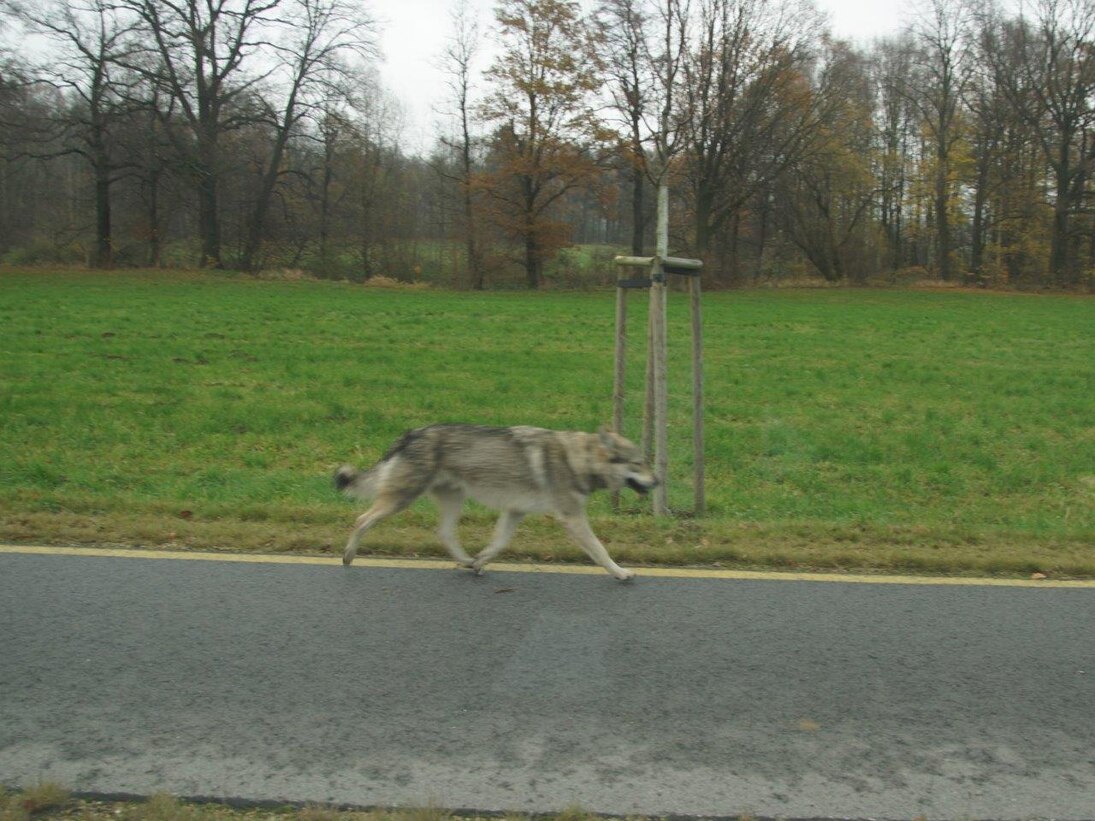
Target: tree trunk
<point>702,220</point>
<point>208,222</point>
<point>533,256</point>
<point>942,221</point>
<point>155,254</point>
<point>1058,253</point>
<point>762,238</point>
<point>262,204</point>
<point>104,243</point>
<point>638,215</point>
<point>980,197</point>
<point>471,242</point>
<point>533,263</point>
<point>733,261</point>
<point>325,213</point>
<point>100,159</point>
<point>475,263</point>
<point>209,228</point>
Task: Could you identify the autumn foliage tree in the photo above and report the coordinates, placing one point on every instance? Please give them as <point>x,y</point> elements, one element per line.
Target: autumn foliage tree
<point>543,125</point>
<point>825,198</point>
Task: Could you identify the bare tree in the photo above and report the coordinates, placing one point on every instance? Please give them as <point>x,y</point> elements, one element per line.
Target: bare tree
<point>622,26</point>
<point>382,221</point>
<point>991,134</point>
<point>320,36</point>
<point>16,98</point>
<point>1046,67</point>
<point>935,86</point>
<point>92,42</point>
<point>198,52</point>
<point>646,45</point>
<point>751,110</point>
<point>896,123</point>
<point>458,62</point>
<point>332,128</point>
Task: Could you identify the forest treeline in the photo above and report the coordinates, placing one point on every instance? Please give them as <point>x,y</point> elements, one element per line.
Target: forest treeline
<point>255,134</point>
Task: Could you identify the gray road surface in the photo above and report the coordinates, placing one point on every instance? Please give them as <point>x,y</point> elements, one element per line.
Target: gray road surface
<point>534,691</point>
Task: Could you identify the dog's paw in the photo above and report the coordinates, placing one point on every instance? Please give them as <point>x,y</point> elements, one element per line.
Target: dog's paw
<point>625,575</point>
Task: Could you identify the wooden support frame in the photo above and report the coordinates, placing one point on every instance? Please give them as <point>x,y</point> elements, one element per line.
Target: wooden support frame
<point>655,423</point>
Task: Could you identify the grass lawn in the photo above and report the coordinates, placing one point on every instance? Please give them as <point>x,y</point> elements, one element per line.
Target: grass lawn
<point>858,429</point>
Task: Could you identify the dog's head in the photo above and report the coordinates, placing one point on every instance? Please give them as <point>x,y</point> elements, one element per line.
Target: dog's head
<point>623,463</point>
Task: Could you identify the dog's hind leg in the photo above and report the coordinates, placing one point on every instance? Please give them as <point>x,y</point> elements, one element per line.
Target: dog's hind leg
<point>449,503</point>
<point>503,532</point>
<point>579,530</point>
<point>382,508</point>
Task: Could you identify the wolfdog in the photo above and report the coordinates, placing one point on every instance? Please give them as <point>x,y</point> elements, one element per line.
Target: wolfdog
<point>516,470</point>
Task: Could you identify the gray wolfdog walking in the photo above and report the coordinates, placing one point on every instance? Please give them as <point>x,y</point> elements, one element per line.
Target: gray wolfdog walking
<point>516,470</point>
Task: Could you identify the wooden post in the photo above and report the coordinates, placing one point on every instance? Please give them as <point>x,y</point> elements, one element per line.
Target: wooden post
<point>655,434</point>
<point>619,383</point>
<point>660,351</point>
<point>699,494</point>
<point>647,443</point>
<point>660,389</point>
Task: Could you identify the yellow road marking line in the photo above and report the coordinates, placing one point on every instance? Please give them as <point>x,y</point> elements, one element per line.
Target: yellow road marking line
<point>516,567</point>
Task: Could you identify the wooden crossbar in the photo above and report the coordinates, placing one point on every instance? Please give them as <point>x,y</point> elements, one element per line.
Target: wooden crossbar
<point>671,265</point>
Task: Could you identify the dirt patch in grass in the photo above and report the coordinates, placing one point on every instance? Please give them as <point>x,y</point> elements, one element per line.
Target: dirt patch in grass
<point>49,801</point>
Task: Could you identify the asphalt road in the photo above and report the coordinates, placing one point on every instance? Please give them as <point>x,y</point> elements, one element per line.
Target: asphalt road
<point>538,691</point>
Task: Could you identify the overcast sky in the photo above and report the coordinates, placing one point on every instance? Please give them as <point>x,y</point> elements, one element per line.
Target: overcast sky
<point>416,31</point>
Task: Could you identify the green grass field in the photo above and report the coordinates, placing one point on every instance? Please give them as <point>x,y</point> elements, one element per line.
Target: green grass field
<point>859,429</point>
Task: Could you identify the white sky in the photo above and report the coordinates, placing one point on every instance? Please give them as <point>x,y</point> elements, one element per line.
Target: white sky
<point>414,33</point>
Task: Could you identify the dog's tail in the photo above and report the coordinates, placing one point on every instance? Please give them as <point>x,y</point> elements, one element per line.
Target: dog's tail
<point>358,483</point>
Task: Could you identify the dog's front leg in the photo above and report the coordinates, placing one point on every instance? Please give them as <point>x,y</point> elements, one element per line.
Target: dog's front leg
<point>503,532</point>
<point>579,530</point>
